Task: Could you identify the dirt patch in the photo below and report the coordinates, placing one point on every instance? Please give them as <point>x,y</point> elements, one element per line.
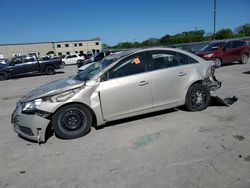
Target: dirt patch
<point>239,137</point>
<point>247,158</point>
<point>147,139</point>
<point>9,98</point>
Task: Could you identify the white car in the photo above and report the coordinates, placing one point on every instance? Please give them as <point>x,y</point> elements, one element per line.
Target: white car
<point>127,84</point>
<point>71,59</point>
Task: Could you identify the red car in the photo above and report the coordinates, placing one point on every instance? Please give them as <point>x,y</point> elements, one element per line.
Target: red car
<point>226,52</point>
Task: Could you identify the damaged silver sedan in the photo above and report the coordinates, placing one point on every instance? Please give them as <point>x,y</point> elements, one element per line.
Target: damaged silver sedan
<point>121,85</point>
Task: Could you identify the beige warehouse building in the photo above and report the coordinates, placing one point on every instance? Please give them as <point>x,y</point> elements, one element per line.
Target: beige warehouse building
<point>91,46</point>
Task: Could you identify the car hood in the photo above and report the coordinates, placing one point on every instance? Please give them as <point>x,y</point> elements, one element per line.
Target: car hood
<point>52,88</point>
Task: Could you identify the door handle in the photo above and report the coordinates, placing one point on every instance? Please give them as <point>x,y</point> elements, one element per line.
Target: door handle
<point>182,74</point>
<point>142,83</point>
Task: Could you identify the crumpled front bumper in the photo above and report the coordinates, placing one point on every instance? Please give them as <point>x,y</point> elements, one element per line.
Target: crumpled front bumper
<point>212,83</point>
<point>32,127</point>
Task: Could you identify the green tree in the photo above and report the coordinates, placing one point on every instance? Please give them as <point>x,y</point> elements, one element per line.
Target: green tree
<point>165,40</point>
<point>224,34</point>
<point>243,30</point>
<point>105,46</point>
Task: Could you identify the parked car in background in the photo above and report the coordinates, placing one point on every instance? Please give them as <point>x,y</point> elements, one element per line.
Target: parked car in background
<point>226,52</point>
<point>28,64</point>
<point>119,86</point>
<point>99,56</point>
<point>71,59</point>
<point>2,61</point>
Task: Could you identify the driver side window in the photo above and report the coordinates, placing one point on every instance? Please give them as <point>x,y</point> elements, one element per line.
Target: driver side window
<point>229,45</point>
<point>134,64</point>
<point>17,61</point>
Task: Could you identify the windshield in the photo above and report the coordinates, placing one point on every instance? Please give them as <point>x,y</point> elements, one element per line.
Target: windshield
<point>213,46</point>
<point>96,67</point>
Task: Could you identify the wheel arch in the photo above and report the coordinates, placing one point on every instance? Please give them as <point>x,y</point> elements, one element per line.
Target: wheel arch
<point>192,83</point>
<point>94,119</point>
<point>45,66</point>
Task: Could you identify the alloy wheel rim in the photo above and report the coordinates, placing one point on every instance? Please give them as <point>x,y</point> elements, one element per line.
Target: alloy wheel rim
<point>217,62</point>
<point>50,70</point>
<point>198,98</point>
<point>244,58</point>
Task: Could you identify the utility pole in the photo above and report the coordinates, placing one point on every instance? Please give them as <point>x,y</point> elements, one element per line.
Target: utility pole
<point>214,18</point>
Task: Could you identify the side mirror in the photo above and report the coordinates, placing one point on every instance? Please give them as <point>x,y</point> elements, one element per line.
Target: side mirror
<point>104,77</point>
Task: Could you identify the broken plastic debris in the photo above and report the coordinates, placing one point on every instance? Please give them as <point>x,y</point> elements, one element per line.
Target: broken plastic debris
<point>216,100</point>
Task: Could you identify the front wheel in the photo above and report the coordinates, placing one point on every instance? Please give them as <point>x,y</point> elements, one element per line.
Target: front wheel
<point>244,58</point>
<point>198,97</point>
<point>72,121</point>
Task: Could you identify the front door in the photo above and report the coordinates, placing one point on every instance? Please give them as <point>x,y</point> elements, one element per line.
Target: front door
<point>127,89</point>
<point>24,64</point>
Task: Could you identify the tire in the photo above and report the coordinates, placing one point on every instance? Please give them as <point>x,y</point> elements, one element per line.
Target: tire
<point>198,97</point>
<point>79,63</point>
<point>3,76</point>
<point>72,121</point>
<point>244,58</point>
<point>49,70</point>
<point>217,62</point>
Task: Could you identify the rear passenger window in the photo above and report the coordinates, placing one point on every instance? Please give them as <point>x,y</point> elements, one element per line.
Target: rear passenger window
<point>162,59</point>
<point>29,59</point>
<point>186,60</point>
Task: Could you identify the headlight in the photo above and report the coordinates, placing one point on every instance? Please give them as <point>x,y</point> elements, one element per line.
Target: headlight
<point>61,97</point>
<point>30,107</point>
<point>209,55</point>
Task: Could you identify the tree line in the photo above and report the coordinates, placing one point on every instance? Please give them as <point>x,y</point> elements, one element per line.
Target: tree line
<point>186,37</point>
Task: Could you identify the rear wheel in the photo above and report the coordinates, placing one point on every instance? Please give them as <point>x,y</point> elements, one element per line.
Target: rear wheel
<point>49,70</point>
<point>244,58</point>
<point>3,76</point>
<point>72,121</point>
<point>198,97</point>
<point>217,62</point>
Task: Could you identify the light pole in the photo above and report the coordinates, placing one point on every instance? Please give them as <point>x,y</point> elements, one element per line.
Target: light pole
<point>214,18</point>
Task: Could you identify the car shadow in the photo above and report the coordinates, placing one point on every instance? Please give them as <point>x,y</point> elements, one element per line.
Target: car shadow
<point>247,72</point>
<point>29,75</point>
<point>134,118</point>
<point>215,101</point>
<point>231,64</point>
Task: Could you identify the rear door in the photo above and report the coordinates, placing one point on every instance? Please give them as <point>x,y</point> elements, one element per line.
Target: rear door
<point>231,52</point>
<point>171,73</point>
<point>127,89</point>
